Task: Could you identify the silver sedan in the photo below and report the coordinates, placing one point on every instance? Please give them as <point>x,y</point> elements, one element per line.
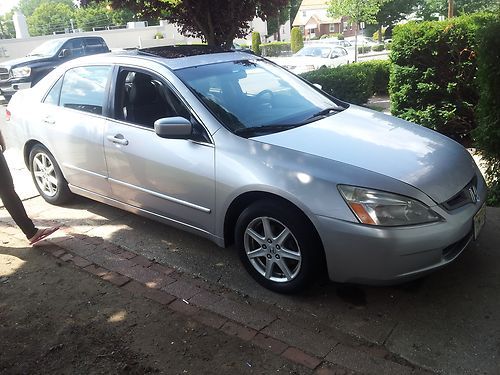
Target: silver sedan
<point>234,148</point>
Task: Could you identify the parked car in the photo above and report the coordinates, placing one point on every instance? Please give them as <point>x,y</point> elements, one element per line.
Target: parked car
<point>314,56</point>
<point>236,149</point>
<point>25,72</point>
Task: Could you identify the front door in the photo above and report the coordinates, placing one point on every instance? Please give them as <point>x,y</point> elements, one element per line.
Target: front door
<point>172,178</point>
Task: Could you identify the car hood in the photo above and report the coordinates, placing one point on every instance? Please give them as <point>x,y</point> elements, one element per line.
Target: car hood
<point>23,61</point>
<point>384,144</point>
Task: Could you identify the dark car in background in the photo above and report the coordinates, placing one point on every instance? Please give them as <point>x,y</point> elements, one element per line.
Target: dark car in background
<point>25,72</point>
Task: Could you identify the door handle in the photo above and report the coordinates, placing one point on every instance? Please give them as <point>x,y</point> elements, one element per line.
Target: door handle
<point>49,120</point>
<point>118,139</point>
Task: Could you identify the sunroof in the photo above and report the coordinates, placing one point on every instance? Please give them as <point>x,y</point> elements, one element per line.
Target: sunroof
<point>182,50</point>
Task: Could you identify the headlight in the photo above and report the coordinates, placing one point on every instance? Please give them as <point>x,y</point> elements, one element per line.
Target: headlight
<point>24,71</point>
<point>375,207</point>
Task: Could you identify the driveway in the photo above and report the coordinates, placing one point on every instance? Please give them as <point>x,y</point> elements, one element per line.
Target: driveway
<point>447,322</point>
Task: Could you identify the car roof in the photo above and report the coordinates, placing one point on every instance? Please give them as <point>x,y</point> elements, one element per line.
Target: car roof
<point>172,57</point>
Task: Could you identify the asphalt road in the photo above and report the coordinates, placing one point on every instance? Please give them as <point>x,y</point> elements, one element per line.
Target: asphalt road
<point>447,322</point>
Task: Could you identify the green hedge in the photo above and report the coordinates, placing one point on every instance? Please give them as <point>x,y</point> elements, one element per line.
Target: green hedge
<point>256,43</point>
<point>487,133</point>
<point>354,83</point>
<point>364,49</point>
<point>378,48</point>
<point>296,39</point>
<point>275,48</point>
<point>433,77</point>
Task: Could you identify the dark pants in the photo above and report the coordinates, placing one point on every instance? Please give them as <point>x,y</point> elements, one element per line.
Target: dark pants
<point>12,202</point>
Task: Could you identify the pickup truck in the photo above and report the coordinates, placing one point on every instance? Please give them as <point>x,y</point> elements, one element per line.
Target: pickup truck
<point>25,72</point>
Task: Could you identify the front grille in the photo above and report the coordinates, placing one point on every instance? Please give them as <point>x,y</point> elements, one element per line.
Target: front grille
<point>4,74</point>
<point>467,195</point>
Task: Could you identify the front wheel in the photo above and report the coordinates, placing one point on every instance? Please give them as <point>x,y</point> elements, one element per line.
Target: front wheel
<point>48,177</point>
<point>277,246</point>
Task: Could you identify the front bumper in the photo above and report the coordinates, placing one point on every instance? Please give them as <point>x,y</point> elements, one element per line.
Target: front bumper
<point>389,255</point>
<point>10,86</point>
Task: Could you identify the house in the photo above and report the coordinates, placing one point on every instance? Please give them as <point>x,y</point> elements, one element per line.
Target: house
<point>314,21</point>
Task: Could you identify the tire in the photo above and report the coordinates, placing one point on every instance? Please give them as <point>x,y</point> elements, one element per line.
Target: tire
<point>286,264</point>
<point>47,176</point>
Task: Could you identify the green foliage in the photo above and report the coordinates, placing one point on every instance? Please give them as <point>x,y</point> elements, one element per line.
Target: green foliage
<point>28,7</point>
<point>99,15</point>
<point>7,30</point>
<point>275,49</point>
<point>256,43</point>
<point>356,10</point>
<point>339,36</point>
<point>378,48</point>
<point>354,83</point>
<point>364,49</point>
<point>433,78</point>
<point>487,133</point>
<point>376,34</point>
<point>380,70</point>
<point>296,39</point>
<point>50,17</point>
<point>428,8</point>
<point>216,22</point>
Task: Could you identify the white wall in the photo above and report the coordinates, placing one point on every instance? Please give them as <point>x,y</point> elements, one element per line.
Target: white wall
<point>120,38</point>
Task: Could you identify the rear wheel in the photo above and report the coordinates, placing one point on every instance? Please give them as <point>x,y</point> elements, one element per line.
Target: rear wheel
<point>48,177</point>
<point>277,246</point>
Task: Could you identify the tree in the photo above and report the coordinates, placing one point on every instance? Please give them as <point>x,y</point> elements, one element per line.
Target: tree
<point>296,40</point>
<point>428,9</point>
<point>28,7</point>
<point>217,22</point>
<point>50,17</point>
<point>357,11</point>
<point>98,15</point>
<point>7,30</point>
<point>393,11</point>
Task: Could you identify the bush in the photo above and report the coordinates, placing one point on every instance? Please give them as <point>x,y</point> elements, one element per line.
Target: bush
<point>378,48</point>
<point>433,77</point>
<point>296,39</point>
<point>380,70</point>
<point>256,43</point>
<point>364,49</point>
<point>354,83</point>
<point>339,36</point>
<point>275,49</point>
<point>487,133</point>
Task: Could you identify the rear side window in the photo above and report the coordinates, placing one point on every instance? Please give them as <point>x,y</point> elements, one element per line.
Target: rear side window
<point>95,45</point>
<point>84,88</point>
<point>53,95</point>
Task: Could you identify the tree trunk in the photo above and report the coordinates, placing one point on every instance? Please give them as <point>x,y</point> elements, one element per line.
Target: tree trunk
<point>450,8</point>
<point>356,42</point>
<point>380,33</point>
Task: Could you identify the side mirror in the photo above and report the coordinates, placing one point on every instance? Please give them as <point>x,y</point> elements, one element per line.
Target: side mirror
<point>173,128</point>
<point>65,53</point>
<point>317,85</point>
<point>334,56</point>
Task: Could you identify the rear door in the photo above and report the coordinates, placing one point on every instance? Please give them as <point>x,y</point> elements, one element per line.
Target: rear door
<point>72,124</point>
<point>172,178</point>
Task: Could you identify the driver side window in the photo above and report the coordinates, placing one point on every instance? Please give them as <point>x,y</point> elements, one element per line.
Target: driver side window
<point>142,98</point>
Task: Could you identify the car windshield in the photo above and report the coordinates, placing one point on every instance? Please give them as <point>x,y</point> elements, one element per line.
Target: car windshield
<point>49,48</point>
<point>256,97</point>
<point>318,51</point>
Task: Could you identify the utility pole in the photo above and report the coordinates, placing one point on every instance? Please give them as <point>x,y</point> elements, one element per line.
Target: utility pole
<point>450,8</point>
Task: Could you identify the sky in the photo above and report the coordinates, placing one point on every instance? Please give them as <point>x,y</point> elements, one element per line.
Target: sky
<point>6,5</point>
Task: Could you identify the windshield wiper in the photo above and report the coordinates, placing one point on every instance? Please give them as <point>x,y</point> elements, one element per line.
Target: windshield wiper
<point>324,113</point>
<point>264,129</point>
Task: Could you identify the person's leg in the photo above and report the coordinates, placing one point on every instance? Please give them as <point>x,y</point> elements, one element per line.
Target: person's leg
<point>12,202</point>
